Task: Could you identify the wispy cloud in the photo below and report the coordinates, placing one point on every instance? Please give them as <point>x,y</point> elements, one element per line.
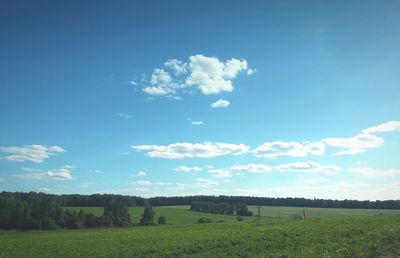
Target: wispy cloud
<point>141,174</point>
<point>33,153</point>
<point>354,145</point>
<point>197,122</point>
<point>383,128</point>
<point>293,149</point>
<point>308,166</point>
<point>192,150</point>
<point>251,168</point>
<point>63,173</point>
<point>44,189</point>
<point>141,182</point>
<point>220,173</point>
<point>188,169</point>
<point>124,115</point>
<point>315,180</point>
<point>371,172</point>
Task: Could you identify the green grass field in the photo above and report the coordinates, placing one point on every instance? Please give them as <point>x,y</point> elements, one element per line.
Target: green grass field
<point>330,236</point>
<point>181,215</point>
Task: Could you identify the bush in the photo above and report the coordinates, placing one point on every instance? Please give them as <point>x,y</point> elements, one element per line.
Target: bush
<point>204,220</point>
<point>239,218</point>
<point>162,220</point>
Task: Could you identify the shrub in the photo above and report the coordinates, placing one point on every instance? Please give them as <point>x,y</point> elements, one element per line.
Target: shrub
<point>204,220</point>
<point>162,220</point>
<point>239,218</point>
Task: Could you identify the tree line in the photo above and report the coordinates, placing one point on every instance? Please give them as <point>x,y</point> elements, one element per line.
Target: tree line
<point>221,208</point>
<point>100,200</point>
<point>268,201</point>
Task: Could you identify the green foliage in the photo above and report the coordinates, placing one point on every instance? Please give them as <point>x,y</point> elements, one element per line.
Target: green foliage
<point>239,218</point>
<point>204,220</point>
<point>147,216</point>
<point>162,220</point>
<point>117,213</point>
<point>242,210</point>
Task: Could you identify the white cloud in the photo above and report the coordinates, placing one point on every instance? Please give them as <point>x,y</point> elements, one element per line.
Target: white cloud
<point>124,115</point>
<point>140,182</point>
<point>156,90</point>
<point>354,145</point>
<point>293,149</point>
<point>220,173</point>
<point>141,174</point>
<point>211,75</point>
<point>221,103</point>
<point>160,77</point>
<point>315,180</point>
<point>197,122</point>
<point>133,83</point>
<point>192,150</point>
<point>177,66</point>
<point>63,173</point>
<point>201,182</point>
<point>308,166</point>
<point>33,153</point>
<point>383,128</point>
<point>370,172</point>
<point>207,74</point>
<point>251,168</point>
<point>188,169</point>
<point>250,71</point>
<point>44,189</point>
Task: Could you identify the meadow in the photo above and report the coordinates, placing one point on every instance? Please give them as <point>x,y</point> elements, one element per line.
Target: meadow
<point>344,235</point>
<point>181,214</point>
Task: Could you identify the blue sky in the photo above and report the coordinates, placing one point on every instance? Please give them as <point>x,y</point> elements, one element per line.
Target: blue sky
<point>150,98</point>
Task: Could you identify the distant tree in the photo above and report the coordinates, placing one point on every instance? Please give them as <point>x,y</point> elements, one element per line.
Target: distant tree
<point>242,210</point>
<point>118,213</point>
<point>162,220</point>
<point>147,216</point>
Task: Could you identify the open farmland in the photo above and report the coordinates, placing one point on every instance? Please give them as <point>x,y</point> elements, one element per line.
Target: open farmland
<point>182,215</point>
<point>341,236</point>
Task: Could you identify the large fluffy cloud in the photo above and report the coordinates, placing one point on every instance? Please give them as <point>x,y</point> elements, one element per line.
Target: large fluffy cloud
<point>192,150</point>
<point>63,173</point>
<point>33,153</point>
<point>354,145</point>
<point>293,149</point>
<point>207,74</point>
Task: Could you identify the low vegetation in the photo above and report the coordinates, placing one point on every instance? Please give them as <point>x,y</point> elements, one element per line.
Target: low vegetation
<point>362,236</point>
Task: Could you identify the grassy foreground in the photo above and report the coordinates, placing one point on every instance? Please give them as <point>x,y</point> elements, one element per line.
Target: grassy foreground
<point>347,236</point>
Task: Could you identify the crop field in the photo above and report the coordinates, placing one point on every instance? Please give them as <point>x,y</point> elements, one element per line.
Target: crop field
<point>330,236</point>
<point>364,236</point>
